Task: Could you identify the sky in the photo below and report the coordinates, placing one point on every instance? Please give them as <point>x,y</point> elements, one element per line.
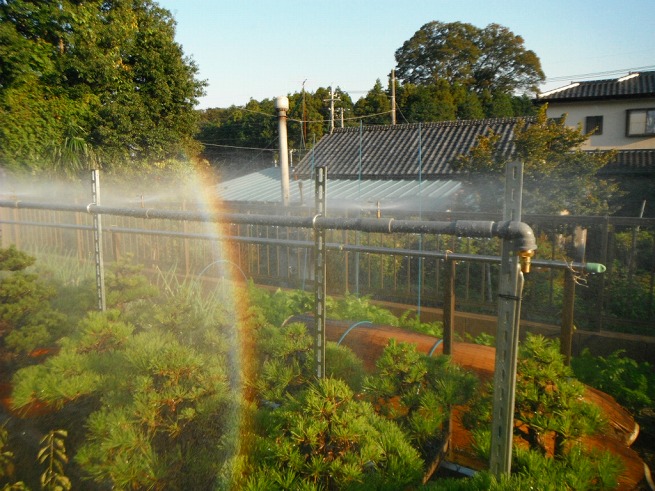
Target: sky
<point>261,49</point>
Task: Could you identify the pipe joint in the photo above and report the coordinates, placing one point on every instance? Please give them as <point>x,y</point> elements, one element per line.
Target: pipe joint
<point>520,232</point>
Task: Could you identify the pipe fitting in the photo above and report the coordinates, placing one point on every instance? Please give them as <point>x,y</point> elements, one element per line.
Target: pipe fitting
<point>520,232</point>
<point>525,260</point>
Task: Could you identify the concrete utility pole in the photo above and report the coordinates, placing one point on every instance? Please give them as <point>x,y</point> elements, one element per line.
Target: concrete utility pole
<point>393,96</point>
<point>331,100</point>
<point>282,106</point>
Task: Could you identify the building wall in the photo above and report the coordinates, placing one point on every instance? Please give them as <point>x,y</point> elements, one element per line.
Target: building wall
<point>614,122</point>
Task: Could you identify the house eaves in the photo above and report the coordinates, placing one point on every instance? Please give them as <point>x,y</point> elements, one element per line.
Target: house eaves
<point>637,85</point>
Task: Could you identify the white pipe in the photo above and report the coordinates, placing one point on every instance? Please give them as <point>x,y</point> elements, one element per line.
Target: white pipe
<point>282,106</point>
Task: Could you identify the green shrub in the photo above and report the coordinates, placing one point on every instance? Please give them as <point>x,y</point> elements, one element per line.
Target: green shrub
<point>631,383</point>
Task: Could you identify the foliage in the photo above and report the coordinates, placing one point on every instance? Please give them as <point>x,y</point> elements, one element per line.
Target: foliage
<point>375,105</point>
<point>7,467</point>
<point>418,392</point>
<point>148,394</point>
<point>53,456</point>
<point>549,400</point>
<point>88,84</point>
<point>631,383</point>
<point>559,177</point>
<point>326,439</point>
<point>27,321</point>
<point>492,58</point>
<point>579,470</point>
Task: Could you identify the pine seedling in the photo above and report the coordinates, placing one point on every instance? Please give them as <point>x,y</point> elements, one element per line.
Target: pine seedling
<point>53,456</point>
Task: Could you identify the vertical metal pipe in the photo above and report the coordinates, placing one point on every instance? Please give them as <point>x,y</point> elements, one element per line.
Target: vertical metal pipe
<point>320,270</point>
<point>449,308</point>
<point>566,334</point>
<point>507,333</point>
<point>97,239</point>
<point>282,106</point>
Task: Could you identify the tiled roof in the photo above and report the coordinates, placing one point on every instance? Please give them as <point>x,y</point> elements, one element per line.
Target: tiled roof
<point>634,85</point>
<point>264,187</point>
<point>403,151</point>
<point>633,162</point>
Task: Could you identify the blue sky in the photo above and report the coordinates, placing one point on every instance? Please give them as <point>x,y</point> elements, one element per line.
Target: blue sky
<point>264,48</point>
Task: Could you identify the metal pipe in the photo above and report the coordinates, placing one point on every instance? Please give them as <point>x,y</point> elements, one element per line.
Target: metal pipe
<point>334,246</point>
<point>520,232</point>
<point>282,106</point>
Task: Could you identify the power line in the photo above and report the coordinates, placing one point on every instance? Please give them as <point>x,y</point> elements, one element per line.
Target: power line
<point>562,78</point>
<point>240,148</point>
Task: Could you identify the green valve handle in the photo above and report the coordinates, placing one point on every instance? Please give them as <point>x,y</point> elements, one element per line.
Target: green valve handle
<point>595,268</point>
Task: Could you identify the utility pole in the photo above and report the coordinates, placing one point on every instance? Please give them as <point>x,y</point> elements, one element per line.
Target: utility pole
<point>304,117</point>
<point>331,100</point>
<point>393,96</point>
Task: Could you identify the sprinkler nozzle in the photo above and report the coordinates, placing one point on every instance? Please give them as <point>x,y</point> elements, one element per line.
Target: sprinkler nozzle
<point>525,259</point>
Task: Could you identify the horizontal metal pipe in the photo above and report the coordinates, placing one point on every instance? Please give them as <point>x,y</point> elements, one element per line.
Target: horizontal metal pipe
<point>518,231</point>
<point>306,244</point>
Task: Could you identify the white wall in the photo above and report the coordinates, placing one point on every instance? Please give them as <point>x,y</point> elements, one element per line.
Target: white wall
<point>614,120</point>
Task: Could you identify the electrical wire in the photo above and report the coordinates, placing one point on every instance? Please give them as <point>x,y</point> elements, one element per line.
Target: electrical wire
<point>237,147</point>
<point>562,78</point>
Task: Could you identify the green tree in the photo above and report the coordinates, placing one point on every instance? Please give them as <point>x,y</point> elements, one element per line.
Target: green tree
<point>493,58</point>
<point>425,103</point>
<point>418,393</point>
<point>27,320</point>
<point>558,175</point>
<point>376,105</point>
<point>327,439</point>
<point>95,83</point>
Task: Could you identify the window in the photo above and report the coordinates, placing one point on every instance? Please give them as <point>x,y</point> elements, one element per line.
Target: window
<point>640,122</point>
<point>594,124</point>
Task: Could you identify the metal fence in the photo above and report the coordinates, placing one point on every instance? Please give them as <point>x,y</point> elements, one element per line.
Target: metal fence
<point>408,268</point>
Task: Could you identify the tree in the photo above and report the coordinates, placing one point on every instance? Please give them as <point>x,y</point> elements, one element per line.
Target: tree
<point>376,105</point>
<point>92,83</point>
<point>27,320</point>
<point>559,177</point>
<point>425,103</point>
<point>492,58</point>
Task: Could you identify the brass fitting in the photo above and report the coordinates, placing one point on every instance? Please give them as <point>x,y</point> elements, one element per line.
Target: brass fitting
<point>525,259</point>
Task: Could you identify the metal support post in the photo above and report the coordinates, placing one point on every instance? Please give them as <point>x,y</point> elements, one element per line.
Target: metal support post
<point>97,240</point>
<point>507,334</point>
<point>449,308</point>
<point>568,309</point>
<point>320,270</point>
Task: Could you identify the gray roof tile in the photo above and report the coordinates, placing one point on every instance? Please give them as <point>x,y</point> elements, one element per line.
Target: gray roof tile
<point>635,85</point>
<point>632,162</point>
<point>403,151</point>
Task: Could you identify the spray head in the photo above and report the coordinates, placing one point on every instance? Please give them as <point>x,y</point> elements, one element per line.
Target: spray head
<point>525,260</point>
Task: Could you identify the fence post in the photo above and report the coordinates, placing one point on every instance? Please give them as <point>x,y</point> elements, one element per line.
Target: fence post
<point>97,238</point>
<point>320,270</point>
<point>566,335</point>
<point>449,308</point>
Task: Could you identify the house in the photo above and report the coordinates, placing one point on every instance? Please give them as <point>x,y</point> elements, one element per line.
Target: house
<point>620,115</point>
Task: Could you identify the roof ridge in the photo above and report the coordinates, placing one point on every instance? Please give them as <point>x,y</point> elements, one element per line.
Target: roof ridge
<point>436,124</point>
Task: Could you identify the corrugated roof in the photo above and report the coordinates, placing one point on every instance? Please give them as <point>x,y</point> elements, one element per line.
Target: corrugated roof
<point>633,162</point>
<point>407,194</point>
<point>404,151</point>
<point>634,85</point>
